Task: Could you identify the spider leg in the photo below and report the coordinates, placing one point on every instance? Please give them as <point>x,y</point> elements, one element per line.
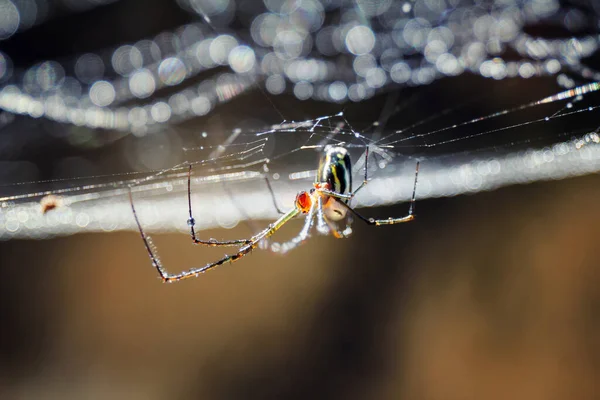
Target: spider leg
<point>348,229</point>
<point>265,243</point>
<point>192,222</point>
<point>273,195</point>
<point>335,230</point>
<point>322,226</point>
<point>366,178</point>
<point>193,272</point>
<point>390,221</point>
<point>300,238</point>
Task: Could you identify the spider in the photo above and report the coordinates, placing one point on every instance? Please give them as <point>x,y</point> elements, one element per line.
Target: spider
<point>328,201</point>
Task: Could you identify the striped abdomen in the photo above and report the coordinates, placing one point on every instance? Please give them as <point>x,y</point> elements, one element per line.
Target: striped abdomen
<point>335,170</point>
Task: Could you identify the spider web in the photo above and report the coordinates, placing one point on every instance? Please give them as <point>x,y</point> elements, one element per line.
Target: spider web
<point>475,117</point>
<point>549,138</point>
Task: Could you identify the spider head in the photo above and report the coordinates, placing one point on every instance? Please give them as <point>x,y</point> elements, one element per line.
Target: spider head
<point>303,201</point>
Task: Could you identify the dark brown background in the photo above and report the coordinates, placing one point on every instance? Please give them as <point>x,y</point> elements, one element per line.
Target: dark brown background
<point>491,296</point>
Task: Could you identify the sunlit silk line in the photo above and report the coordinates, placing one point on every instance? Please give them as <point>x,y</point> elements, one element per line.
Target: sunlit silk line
<point>331,135</point>
<point>306,124</point>
<point>163,210</point>
<point>137,183</point>
<point>567,94</point>
<point>505,128</point>
<point>245,144</point>
<point>239,155</point>
<point>76,178</point>
<point>103,190</point>
<point>438,115</point>
<point>121,184</point>
<point>78,197</point>
<point>223,147</point>
<point>332,132</point>
<point>293,126</point>
<point>169,173</point>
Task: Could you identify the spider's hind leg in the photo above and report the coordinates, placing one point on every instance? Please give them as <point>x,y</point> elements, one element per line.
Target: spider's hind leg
<point>192,223</point>
<point>390,221</point>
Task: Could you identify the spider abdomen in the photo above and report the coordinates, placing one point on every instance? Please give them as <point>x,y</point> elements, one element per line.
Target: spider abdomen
<point>333,210</point>
<point>335,170</point>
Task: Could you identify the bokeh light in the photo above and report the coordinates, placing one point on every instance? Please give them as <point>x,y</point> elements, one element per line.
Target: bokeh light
<point>102,93</point>
<point>9,19</point>
<point>242,59</point>
<point>142,83</point>
<point>171,71</point>
<point>5,67</point>
<point>327,50</point>
<point>360,40</point>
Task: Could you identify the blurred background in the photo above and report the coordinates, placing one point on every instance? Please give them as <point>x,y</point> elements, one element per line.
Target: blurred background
<point>492,295</point>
